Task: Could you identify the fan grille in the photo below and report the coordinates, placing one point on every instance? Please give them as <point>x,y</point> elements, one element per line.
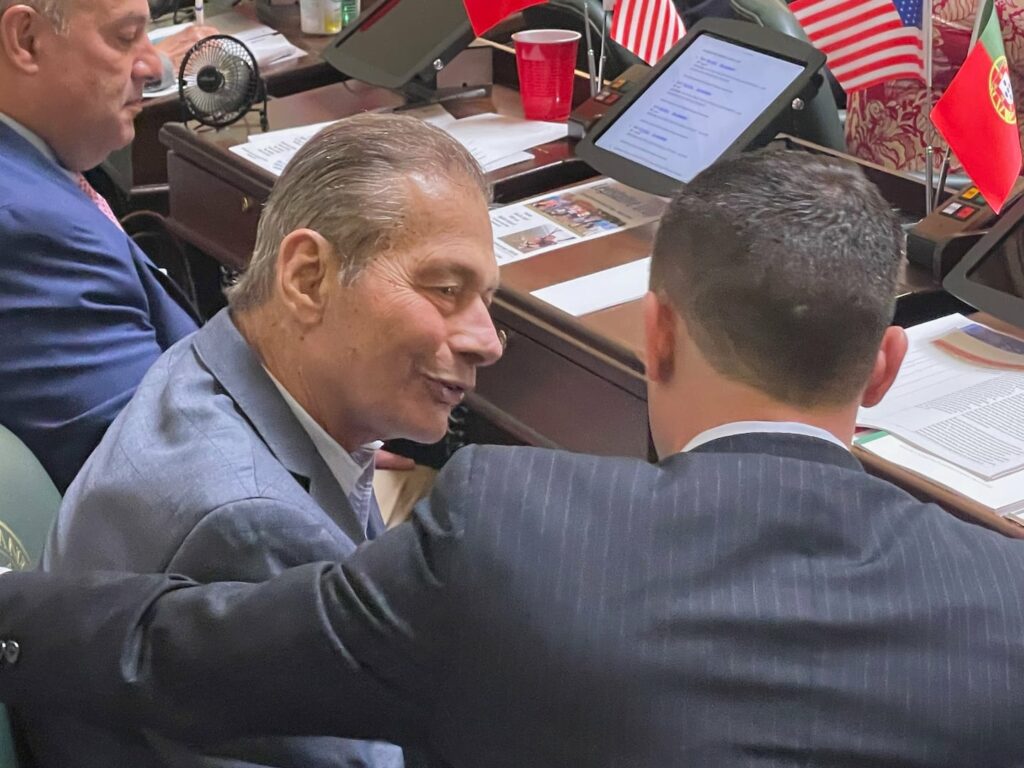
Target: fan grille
<point>218,80</point>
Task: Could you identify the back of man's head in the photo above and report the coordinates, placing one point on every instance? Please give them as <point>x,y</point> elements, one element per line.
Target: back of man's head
<point>784,267</point>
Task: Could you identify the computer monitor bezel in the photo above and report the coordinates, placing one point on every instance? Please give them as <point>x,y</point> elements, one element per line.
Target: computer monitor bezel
<point>992,301</point>
<point>423,74</point>
<point>759,132</point>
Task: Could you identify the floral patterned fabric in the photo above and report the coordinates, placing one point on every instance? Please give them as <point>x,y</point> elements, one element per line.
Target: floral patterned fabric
<point>888,124</point>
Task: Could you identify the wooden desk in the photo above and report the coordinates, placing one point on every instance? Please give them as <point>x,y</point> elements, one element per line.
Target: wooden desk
<point>565,382</point>
<point>141,171</point>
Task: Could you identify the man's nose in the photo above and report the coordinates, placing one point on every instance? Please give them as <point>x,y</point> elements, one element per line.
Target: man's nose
<point>476,337</point>
<point>148,65</point>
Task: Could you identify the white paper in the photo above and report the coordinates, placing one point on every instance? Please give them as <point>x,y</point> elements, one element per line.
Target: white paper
<point>504,162</point>
<point>966,414</point>
<point>491,137</point>
<point>1004,495</point>
<point>599,290</point>
<point>272,150</point>
<point>556,219</point>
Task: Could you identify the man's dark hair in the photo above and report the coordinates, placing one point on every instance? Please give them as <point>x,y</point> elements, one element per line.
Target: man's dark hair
<point>785,267</point>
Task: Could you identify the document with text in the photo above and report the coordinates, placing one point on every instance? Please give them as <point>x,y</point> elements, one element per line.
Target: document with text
<point>964,407</point>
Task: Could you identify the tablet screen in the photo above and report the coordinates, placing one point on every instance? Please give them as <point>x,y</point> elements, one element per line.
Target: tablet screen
<point>694,111</point>
<point>1002,268</point>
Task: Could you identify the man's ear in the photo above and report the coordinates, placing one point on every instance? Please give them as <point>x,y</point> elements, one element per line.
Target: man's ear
<point>20,27</point>
<point>890,356</point>
<point>306,273</point>
<point>659,338</point>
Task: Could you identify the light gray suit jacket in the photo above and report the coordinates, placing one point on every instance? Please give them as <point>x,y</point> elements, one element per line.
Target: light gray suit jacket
<point>205,473</point>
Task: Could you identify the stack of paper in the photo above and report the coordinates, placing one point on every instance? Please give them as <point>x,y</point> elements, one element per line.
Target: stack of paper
<point>494,140</point>
<point>955,413</point>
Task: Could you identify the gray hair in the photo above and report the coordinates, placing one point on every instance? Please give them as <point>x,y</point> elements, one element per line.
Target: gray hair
<point>350,183</point>
<point>785,267</point>
<point>55,11</point>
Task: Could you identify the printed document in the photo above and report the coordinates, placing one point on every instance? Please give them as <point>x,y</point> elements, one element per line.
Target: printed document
<point>950,404</point>
<point>556,219</point>
<point>494,140</point>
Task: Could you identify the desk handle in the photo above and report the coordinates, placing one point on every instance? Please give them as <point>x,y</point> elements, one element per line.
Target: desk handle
<point>247,203</point>
<point>503,338</point>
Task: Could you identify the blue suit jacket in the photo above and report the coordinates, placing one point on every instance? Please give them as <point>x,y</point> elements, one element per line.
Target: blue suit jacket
<point>760,601</point>
<point>83,312</point>
<point>206,472</point>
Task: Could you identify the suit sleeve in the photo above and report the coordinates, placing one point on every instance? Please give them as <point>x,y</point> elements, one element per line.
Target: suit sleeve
<point>75,337</point>
<point>254,540</point>
<point>356,649</point>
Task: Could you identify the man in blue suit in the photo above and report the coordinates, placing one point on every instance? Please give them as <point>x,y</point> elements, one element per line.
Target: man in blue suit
<point>83,311</point>
<point>754,599</point>
<point>248,447</point>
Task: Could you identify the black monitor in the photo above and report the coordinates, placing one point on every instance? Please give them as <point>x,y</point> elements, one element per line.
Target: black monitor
<point>401,43</point>
<point>991,276</point>
<point>724,88</point>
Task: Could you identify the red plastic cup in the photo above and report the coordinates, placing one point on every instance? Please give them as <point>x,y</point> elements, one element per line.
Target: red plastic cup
<point>546,60</point>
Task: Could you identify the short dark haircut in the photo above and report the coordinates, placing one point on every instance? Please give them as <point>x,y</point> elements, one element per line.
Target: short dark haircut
<point>785,267</point>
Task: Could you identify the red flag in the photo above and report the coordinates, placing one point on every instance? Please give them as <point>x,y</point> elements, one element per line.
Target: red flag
<point>484,14</point>
<point>977,117</point>
<point>866,41</point>
<point>648,28</point>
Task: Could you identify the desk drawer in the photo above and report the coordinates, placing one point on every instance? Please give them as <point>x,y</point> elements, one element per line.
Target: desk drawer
<point>217,217</point>
<point>537,395</point>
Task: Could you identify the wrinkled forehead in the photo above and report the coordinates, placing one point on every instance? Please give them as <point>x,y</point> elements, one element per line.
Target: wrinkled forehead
<point>104,11</point>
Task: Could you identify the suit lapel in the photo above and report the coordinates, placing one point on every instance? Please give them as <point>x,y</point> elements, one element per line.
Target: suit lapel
<point>49,169</point>
<point>232,362</point>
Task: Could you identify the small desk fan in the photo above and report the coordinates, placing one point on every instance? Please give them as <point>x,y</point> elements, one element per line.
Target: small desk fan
<point>219,82</point>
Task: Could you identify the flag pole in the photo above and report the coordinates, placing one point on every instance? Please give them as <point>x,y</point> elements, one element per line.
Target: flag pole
<point>607,6</point>
<point>929,152</point>
<point>591,64</point>
<point>979,17</point>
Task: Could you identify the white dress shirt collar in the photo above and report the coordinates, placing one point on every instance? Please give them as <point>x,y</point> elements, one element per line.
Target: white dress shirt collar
<point>35,140</point>
<point>353,471</point>
<point>734,428</point>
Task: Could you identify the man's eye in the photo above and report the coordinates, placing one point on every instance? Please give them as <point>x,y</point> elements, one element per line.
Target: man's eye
<point>451,291</point>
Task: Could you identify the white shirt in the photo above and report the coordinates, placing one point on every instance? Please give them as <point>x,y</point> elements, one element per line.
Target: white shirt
<point>353,471</point>
<point>748,427</point>
<point>36,141</point>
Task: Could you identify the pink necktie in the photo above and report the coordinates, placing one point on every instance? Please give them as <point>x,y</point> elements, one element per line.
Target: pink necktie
<point>98,200</point>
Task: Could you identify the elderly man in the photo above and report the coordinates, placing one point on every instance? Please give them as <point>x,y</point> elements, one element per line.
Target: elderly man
<point>248,448</point>
<point>754,599</point>
<point>83,312</point>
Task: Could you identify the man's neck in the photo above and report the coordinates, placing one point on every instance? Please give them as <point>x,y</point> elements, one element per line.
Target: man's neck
<point>704,408</point>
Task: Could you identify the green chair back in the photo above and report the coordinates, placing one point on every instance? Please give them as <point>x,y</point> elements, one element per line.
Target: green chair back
<point>28,506</point>
<point>819,122</point>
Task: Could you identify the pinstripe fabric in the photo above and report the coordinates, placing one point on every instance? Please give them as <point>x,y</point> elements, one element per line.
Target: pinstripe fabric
<point>760,601</point>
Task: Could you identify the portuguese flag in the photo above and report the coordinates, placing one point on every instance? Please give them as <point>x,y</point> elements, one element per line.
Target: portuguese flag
<point>976,114</point>
<point>484,14</point>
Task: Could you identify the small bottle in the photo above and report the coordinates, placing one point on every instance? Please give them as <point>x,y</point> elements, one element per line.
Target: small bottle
<point>349,11</point>
<point>320,17</point>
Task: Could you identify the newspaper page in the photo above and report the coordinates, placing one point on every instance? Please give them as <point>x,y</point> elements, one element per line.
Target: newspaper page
<point>556,219</point>
<point>949,403</point>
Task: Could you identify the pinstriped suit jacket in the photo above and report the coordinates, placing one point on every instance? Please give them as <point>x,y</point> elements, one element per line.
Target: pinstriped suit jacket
<point>760,601</point>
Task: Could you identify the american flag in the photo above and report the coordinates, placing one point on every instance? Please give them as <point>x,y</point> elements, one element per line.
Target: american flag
<point>866,41</point>
<point>648,28</point>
